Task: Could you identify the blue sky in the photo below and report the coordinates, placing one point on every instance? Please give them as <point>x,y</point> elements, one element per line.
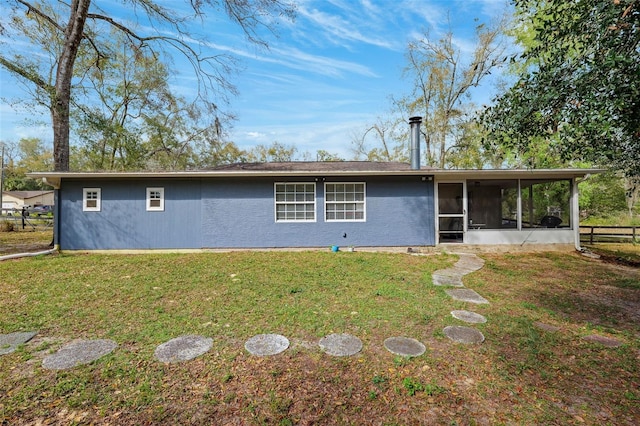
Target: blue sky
<point>326,76</point>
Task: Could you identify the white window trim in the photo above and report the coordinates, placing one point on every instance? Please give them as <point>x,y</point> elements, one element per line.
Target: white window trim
<point>151,208</point>
<point>276,203</point>
<point>98,205</point>
<point>363,202</point>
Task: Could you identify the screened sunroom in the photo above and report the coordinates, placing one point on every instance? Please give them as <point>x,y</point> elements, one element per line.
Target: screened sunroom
<point>508,207</point>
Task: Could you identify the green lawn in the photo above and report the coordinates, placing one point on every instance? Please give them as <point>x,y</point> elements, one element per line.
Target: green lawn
<point>521,374</point>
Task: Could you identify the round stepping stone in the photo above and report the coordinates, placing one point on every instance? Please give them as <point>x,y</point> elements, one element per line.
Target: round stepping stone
<point>340,344</point>
<point>604,341</point>
<point>461,334</point>
<point>78,353</point>
<point>467,316</point>
<point>404,346</point>
<point>10,342</point>
<point>183,348</point>
<point>266,344</point>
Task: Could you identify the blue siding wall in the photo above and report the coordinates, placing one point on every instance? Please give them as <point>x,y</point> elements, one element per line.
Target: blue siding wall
<point>237,213</point>
<point>124,223</point>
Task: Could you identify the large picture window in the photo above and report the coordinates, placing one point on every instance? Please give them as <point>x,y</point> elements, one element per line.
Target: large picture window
<point>91,199</point>
<point>295,202</point>
<point>345,202</point>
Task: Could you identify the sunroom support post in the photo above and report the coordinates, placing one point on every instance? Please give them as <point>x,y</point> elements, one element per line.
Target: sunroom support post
<point>575,213</point>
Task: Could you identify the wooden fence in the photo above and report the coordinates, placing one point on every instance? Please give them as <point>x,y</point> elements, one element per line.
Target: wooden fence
<point>34,220</point>
<point>609,234</point>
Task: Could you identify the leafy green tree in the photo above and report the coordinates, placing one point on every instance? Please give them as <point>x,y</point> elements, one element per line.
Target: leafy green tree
<point>87,32</point>
<point>276,152</point>
<point>442,78</point>
<point>386,140</point>
<point>322,155</point>
<point>28,155</point>
<point>139,123</point>
<point>181,136</point>
<point>442,84</point>
<point>602,196</point>
<point>578,90</point>
<point>214,152</point>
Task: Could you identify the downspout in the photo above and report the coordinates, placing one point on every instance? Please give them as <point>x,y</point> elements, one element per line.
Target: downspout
<point>56,184</point>
<point>575,212</point>
<point>30,254</point>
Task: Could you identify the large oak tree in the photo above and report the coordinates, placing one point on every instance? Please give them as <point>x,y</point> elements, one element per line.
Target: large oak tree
<point>578,90</point>
<point>84,27</point>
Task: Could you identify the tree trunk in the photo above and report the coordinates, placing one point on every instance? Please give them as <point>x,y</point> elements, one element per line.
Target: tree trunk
<point>64,74</point>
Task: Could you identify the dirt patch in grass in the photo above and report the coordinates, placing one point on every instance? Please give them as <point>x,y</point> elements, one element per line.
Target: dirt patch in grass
<point>619,254</point>
<point>521,374</point>
<point>25,241</point>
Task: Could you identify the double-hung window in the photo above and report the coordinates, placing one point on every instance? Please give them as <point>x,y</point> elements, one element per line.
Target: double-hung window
<point>345,202</point>
<point>295,202</point>
<point>91,199</point>
<point>155,199</point>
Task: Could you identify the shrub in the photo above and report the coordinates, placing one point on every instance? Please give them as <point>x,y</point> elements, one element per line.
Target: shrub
<point>6,226</point>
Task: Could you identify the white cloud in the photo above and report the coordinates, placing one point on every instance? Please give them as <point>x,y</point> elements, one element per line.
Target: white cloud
<point>255,135</point>
<point>347,27</point>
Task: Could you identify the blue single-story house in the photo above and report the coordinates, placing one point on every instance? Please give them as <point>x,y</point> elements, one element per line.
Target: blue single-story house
<point>314,204</point>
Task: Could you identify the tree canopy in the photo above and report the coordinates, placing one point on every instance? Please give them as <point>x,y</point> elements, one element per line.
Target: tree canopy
<point>65,31</point>
<point>442,77</point>
<point>578,89</point>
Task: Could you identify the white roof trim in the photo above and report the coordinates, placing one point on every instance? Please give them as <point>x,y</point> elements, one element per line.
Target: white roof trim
<point>54,178</point>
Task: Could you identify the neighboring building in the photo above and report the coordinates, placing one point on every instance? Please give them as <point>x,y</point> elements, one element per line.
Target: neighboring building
<point>314,204</point>
<point>27,199</point>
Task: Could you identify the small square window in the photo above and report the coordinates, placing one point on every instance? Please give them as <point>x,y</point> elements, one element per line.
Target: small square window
<point>155,199</point>
<point>91,199</point>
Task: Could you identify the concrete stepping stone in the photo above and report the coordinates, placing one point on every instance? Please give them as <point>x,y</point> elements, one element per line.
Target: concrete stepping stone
<point>266,344</point>
<point>404,346</point>
<point>609,342</point>
<point>466,295</point>
<point>470,317</point>
<point>183,348</point>
<point>10,342</point>
<point>466,264</point>
<point>441,279</point>
<point>340,344</point>
<point>462,334</point>
<point>469,263</point>
<point>77,353</point>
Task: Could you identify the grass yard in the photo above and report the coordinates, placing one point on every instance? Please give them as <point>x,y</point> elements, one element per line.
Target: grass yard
<point>519,375</point>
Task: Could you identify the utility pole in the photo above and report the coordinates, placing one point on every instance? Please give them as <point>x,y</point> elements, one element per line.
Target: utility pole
<point>1,177</point>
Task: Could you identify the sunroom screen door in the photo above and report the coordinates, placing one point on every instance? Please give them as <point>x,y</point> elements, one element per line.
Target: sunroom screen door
<point>451,212</point>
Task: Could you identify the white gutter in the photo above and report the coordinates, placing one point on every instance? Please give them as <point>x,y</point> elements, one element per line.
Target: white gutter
<point>53,178</point>
<point>575,208</point>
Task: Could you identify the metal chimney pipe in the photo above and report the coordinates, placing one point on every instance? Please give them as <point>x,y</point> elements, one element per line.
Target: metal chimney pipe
<point>415,142</point>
